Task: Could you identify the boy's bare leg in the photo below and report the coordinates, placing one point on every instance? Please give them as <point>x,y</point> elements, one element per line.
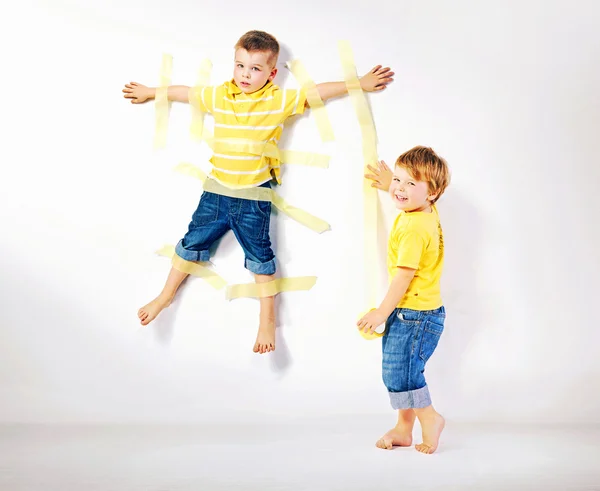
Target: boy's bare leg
<point>265,340</point>
<point>432,424</point>
<point>401,434</point>
<point>149,312</point>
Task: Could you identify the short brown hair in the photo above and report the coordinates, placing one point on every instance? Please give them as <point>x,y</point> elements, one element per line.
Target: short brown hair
<point>259,41</point>
<point>423,164</point>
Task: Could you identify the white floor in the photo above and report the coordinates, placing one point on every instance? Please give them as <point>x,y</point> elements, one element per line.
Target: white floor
<point>301,455</point>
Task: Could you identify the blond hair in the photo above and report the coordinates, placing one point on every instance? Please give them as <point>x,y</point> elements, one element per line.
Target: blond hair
<point>260,41</point>
<point>423,164</point>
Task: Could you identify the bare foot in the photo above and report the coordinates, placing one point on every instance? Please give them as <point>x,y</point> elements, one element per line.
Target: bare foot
<point>265,340</point>
<point>432,429</point>
<point>149,312</point>
<point>396,437</point>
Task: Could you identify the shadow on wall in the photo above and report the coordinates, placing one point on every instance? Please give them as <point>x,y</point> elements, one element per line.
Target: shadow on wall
<point>462,226</point>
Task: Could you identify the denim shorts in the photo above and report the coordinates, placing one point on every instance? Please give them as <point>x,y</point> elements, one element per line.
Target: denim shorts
<point>410,339</point>
<point>248,219</point>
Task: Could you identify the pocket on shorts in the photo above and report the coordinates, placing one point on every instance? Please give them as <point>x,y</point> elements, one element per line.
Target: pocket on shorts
<point>409,316</point>
<point>263,208</point>
<point>431,336</point>
<point>208,209</point>
<point>256,218</point>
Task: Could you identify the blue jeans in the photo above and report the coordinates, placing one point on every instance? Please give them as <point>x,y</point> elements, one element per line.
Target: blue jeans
<point>410,339</point>
<point>248,219</point>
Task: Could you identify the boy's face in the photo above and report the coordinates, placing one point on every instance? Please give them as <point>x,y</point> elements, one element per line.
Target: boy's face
<point>252,70</point>
<point>408,194</point>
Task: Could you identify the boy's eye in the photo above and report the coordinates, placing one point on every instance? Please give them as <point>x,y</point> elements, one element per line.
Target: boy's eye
<point>411,183</point>
<point>256,68</point>
<point>239,65</point>
<point>396,179</point>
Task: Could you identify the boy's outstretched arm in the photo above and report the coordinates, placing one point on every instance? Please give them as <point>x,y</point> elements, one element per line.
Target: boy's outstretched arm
<point>396,292</point>
<point>139,93</point>
<point>374,81</point>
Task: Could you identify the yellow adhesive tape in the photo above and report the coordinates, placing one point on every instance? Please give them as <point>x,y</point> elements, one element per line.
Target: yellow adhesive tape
<point>268,149</point>
<point>161,102</point>
<point>369,144</point>
<point>256,194</point>
<point>372,335</point>
<point>315,102</point>
<point>197,126</point>
<point>193,268</point>
<point>359,101</point>
<point>271,288</point>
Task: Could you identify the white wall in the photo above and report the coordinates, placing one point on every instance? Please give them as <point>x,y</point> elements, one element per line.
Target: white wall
<point>506,91</point>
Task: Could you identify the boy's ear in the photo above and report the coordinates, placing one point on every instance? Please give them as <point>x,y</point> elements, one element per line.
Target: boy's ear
<point>432,197</point>
<point>273,73</point>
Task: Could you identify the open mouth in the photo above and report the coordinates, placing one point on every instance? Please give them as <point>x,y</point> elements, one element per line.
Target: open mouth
<point>402,199</point>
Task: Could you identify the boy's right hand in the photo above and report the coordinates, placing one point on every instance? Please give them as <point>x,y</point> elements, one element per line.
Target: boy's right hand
<point>138,93</point>
<point>381,177</point>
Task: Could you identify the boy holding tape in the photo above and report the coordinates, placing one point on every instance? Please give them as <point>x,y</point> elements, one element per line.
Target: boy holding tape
<point>248,107</point>
<point>412,308</point>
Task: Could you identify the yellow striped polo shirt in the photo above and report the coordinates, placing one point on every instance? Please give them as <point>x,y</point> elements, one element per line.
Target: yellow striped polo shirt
<point>259,117</point>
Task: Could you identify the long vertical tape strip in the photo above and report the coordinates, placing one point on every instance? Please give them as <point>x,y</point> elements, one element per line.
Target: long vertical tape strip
<point>256,194</point>
<point>369,146</point>
<point>317,106</point>
<point>197,126</point>
<point>161,102</point>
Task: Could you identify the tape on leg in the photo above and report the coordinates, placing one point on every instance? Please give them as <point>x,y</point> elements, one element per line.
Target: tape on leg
<point>271,288</point>
<point>256,194</point>
<point>317,106</point>
<point>193,268</point>
<point>161,102</point>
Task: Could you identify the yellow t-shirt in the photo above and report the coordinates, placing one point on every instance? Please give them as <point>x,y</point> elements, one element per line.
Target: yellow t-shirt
<point>417,242</point>
<point>258,117</point>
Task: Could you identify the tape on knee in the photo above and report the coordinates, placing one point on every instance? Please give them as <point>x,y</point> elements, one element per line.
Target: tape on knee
<point>193,268</point>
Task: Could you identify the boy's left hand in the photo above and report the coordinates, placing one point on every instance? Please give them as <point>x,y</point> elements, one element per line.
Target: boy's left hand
<point>377,79</point>
<point>371,321</point>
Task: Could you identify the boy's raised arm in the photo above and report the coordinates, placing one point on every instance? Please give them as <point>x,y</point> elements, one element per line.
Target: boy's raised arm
<point>139,93</point>
<point>374,81</point>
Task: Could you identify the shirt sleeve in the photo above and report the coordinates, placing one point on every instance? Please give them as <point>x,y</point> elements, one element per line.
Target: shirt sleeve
<point>295,101</point>
<point>202,98</point>
<point>411,247</point>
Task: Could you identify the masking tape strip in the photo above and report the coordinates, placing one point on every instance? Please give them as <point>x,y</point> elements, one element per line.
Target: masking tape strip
<point>268,149</point>
<point>193,268</point>
<point>369,144</point>
<point>270,288</point>
<point>222,145</point>
<point>197,126</point>
<point>315,102</point>
<point>359,102</point>
<point>256,194</point>
<point>161,102</point>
